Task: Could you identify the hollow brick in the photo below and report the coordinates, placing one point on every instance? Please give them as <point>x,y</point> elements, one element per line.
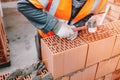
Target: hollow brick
<point>100,44</point>
<point>106,67</point>
<point>87,74</point>
<point>62,56</point>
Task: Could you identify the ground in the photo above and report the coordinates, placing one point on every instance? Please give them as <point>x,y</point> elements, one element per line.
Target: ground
<point>20,34</point>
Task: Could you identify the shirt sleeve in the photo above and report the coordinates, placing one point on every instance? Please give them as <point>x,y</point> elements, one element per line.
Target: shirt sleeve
<point>39,18</point>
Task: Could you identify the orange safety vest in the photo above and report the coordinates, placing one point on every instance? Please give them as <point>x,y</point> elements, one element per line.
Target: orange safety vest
<point>62,9</point>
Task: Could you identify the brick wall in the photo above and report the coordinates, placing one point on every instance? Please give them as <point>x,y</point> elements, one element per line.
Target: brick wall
<point>114,12</point>
<point>91,56</point>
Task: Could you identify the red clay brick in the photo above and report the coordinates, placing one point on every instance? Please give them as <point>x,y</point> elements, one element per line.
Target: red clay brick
<point>106,21</point>
<point>102,78</point>
<point>110,18</point>
<point>65,78</point>
<point>118,65</point>
<point>112,1</point>
<point>116,49</point>
<point>106,67</point>
<point>87,74</point>
<point>59,53</point>
<point>3,77</point>
<point>117,2</point>
<point>54,63</point>
<point>108,77</point>
<point>116,27</point>
<point>114,13</point>
<point>100,50</point>
<point>116,75</point>
<point>115,8</point>
<point>62,56</point>
<point>100,44</point>
<point>74,59</point>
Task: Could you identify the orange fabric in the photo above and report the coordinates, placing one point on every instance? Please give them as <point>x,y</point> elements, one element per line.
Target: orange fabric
<point>84,11</point>
<point>102,4</point>
<point>45,35</point>
<point>101,8</point>
<point>64,9</point>
<point>66,13</point>
<point>36,4</point>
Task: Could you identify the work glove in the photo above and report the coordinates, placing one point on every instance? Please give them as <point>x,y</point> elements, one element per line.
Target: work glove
<point>73,34</point>
<point>65,31</point>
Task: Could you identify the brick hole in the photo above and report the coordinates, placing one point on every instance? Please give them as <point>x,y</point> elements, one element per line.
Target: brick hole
<point>96,37</point>
<point>117,27</point>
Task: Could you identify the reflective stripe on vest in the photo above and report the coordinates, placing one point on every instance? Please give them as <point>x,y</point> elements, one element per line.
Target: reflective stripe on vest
<point>95,5</point>
<point>61,9</point>
<point>54,7</point>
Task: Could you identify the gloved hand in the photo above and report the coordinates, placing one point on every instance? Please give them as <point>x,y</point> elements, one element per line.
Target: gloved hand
<point>66,31</point>
<point>73,34</point>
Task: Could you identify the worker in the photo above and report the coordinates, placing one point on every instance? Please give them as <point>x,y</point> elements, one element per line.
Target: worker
<point>60,17</point>
<point>63,18</point>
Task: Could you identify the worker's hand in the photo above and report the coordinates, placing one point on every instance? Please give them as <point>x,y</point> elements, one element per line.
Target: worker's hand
<point>66,31</point>
<point>80,28</point>
<point>74,34</point>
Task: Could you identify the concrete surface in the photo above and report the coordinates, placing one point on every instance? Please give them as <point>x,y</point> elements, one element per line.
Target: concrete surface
<point>21,39</point>
<point>9,4</point>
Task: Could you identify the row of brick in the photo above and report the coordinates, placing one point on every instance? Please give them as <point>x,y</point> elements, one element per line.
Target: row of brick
<point>116,2</point>
<point>63,57</point>
<point>44,73</point>
<point>114,11</point>
<point>4,57</point>
<point>3,77</point>
<point>7,0</point>
<point>105,70</point>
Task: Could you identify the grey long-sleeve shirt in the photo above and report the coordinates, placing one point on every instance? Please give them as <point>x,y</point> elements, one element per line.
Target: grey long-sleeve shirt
<point>43,20</point>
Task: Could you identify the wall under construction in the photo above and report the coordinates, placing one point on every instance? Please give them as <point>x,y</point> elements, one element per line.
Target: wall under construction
<point>90,56</point>
<point>93,56</point>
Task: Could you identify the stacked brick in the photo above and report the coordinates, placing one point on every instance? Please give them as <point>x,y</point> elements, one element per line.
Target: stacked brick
<point>44,73</point>
<point>3,77</point>
<point>7,0</point>
<point>59,53</point>
<point>114,12</point>
<point>4,57</point>
<point>91,56</point>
